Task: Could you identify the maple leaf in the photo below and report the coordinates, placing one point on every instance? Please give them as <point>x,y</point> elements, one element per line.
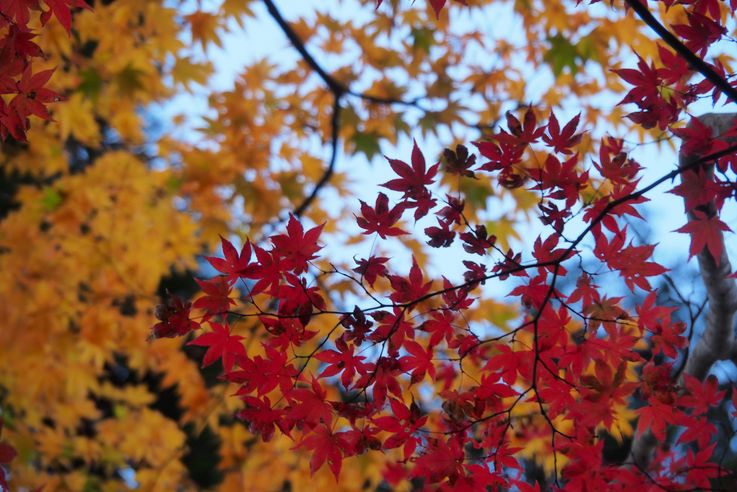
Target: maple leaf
<point>698,139</point>
<point>380,219</point>
<point>326,447</point>
<point>32,96</point>
<point>459,161</point>
<point>706,232</point>
<point>297,299</point>
<point>312,407</point>
<point>545,252</point>
<point>700,395</point>
<point>287,331</point>
<point>501,155</point>
<point>437,6</point>
<point>453,212</point>
<point>526,132</point>
<point>216,299</point>
<point>419,361</point>
<point>404,422</point>
<point>61,9</point>
<point>235,265</point>
<point>371,268</point>
<point>264,374</point>
<point>297,247</point>
<point>675,67</point>
<point>440,237</point>
<point>410,288</point>
<point>414,179</point>
<point>268,271</point>
<point>7,454</point>
<point>477,241</point>
<point>261,418</point>
<point>613,162</point>
<point>220,345</point>
<point>357,326</point>
<point>561,141</point>
<point>440,460</point>
<point>456,299</point>
<point>654,109</point>
<point>440,326</point>
<point>700,32</point>
<point>173,318</point>
<point>342,361</point>
<point>17,10</point>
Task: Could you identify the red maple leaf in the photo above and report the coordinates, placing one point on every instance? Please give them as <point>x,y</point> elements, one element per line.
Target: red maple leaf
<point>7,454</point>
<point>501,155</point>
<point>477,241</point>
<point>614,164</point>
<point>310,406</point>
<point>403,423</point>
<point>235,265</point>
<point>410,288</point>
<point>220,345</point>
<point>216,300</point>
<point>380,218</point>
<point>419,361</point>
<point>700,32</point>
<point>32,96</point>
<point>698,188</point>
<point>261,418</point>
<point>459,161</point>
<point>440,237</point>
<point>326,447</point>
<point>654,110</point>
<point>16,9</point>
<point>440,460</point>
<point>698,139</point>
<point>440,327</point>
<point>297,247</point>
<point>412,180</point>
<point>62,10</point>
<point>706,232</point>
<point>268,272</point>
<point>562,140</point>
<point>371,268</point>
<point>173,318</point>
<point>527,132</point>
<point>343,360</point>
<point>437,6</point>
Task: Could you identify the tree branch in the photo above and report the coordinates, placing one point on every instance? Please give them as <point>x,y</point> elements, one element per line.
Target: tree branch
<point>328,173</point>
<point>718,340</point>
<point>696,63</point>
<point>337,88</point>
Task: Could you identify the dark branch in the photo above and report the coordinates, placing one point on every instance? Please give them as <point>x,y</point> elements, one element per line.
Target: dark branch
<point>696,63</point>
<point>328,173</point>
<point>337,88</point>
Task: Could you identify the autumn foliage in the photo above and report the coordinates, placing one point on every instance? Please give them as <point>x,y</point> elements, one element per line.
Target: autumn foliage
<point>204,303</point>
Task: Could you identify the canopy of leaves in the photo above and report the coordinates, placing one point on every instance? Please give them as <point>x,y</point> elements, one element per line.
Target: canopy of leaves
<point>281,368</point>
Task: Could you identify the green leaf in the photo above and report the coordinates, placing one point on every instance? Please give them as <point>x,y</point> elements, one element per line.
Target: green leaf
<point>561,54</point>
<point>51,199</point>
<point>368,143</point>
<point>129,80</point>
<point>91,84</point>
<point>422,39</point>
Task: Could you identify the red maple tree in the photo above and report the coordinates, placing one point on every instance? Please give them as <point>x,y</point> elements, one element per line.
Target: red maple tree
<point>572,378</point>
